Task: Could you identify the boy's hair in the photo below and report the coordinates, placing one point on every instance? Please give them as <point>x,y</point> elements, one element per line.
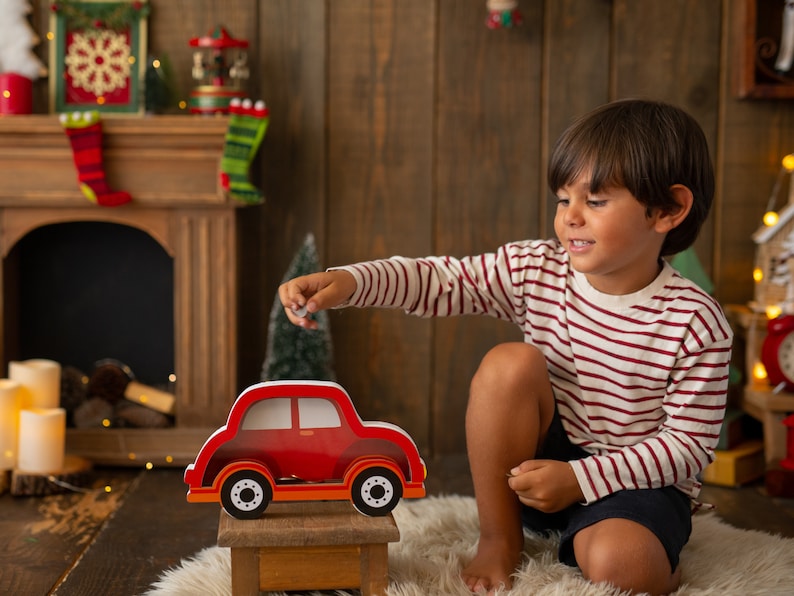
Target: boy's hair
<point>645,147</point>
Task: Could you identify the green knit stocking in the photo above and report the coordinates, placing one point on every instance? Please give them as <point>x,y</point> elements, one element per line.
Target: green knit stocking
<point>247,126</point>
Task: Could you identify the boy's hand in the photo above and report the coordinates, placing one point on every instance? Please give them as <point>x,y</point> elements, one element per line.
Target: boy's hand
<point>315,292</point>
<point>545,485</point>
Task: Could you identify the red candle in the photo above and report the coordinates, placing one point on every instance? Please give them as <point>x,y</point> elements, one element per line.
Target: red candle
<point>16,94</point>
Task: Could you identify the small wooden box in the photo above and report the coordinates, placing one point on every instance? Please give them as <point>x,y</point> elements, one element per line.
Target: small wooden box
<point>737,466</point>
<point>310,545</point>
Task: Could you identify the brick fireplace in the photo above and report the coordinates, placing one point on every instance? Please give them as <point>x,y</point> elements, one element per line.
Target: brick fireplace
<point>169,164</point>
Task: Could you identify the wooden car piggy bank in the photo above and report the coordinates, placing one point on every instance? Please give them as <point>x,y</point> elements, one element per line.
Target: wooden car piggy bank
<point>303,441</point>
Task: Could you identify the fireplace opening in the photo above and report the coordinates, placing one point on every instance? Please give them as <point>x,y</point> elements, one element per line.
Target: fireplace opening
<point>82,292</point>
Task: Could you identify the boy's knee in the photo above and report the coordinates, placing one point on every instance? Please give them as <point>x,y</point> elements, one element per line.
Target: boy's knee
<point>623,574</point>
<point>511,365</point>
<point>627,559</point>
<point>512,386</point>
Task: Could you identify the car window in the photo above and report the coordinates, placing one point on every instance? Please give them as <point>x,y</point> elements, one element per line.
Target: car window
<point>318,413</point>
<point>268,414</point>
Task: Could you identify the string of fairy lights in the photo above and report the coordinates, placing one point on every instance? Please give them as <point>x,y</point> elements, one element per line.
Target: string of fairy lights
<point>106,488</point>
<point>771,218</point>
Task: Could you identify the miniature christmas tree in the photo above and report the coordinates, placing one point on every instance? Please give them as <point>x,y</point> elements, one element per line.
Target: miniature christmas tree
<point>294,352</point>
<point>159,92</point>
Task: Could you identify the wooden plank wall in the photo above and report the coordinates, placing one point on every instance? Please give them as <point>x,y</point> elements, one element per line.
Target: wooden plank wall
<point>407,127</point>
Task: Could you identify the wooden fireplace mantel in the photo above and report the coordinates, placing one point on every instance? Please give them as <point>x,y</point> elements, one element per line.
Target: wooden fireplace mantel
<point>163,161</point>
<point>169,164</point>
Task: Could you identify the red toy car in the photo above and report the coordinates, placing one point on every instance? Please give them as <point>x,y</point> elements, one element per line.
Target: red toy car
<point>303,441</point>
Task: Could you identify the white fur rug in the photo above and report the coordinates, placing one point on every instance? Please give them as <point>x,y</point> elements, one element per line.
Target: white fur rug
<point>439,534</point>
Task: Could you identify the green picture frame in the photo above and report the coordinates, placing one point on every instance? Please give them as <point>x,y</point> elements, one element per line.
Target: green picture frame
<point>98,56</point>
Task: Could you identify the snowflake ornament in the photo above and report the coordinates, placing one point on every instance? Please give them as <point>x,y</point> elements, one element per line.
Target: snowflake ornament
<point>100,62</point>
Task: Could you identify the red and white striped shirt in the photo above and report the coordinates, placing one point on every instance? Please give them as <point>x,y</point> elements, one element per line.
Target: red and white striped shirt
<point>640,380</point>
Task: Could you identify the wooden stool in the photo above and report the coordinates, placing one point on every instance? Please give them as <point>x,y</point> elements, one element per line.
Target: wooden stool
<point>310,545</point>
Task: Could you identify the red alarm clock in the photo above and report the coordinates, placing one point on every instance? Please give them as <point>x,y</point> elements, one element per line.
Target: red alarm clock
<point>777,351</point>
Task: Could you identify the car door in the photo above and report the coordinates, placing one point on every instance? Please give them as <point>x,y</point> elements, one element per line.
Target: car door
<point>266,433</point>
<point>323,434</point>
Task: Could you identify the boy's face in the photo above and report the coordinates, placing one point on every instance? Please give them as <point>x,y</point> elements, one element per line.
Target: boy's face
<point>609,236</point>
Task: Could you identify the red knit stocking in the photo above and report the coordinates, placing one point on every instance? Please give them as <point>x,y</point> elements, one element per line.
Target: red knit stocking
<point>85,135</point>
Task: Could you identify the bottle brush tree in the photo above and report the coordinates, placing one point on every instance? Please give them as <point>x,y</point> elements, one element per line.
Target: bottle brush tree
<point>295,353</point>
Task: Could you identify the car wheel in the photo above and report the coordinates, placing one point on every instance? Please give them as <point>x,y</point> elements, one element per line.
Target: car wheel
<point>376,491</point>
<point>246,494</point>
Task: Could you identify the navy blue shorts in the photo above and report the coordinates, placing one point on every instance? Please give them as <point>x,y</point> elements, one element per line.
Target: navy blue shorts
<point>664,511</point>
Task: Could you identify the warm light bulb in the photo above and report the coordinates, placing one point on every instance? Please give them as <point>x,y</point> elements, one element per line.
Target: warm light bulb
<point>788,162</point>
<point>771,218</point>
<point>758,274</point>
<point>759,371</point>
<point>773,311</point>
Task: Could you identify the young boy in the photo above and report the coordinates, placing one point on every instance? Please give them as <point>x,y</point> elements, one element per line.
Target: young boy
<point>598,424</point>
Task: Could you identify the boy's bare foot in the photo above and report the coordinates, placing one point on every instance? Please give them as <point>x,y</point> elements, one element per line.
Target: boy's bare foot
<point>492,566</point>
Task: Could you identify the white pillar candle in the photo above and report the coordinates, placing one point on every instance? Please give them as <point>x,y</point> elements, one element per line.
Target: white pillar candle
<point>40,380</point>
<point>42,440</point>
<point>10,403</point>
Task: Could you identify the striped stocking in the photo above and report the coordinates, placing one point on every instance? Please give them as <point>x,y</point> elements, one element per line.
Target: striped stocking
<point>247,126</point>
<point>85,135</point>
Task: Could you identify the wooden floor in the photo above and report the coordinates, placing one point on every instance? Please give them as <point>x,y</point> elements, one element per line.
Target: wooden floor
<point>119,542</point>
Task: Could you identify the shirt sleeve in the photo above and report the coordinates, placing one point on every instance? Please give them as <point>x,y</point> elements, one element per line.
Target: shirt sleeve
<point>439,286</point>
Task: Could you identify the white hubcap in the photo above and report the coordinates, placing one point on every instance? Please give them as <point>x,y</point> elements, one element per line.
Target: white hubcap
<point>377,491</point>
<point>246,495</point>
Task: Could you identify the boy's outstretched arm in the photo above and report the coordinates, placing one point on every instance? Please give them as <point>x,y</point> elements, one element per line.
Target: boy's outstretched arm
<point>316,291</point>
